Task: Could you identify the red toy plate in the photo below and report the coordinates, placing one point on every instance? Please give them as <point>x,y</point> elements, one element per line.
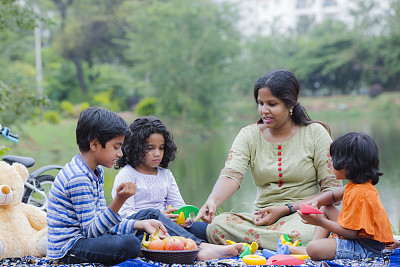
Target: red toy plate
<point>284,260</point>
<point>307,209</point>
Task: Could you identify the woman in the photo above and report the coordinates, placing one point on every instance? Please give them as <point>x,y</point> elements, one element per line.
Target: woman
<point>288,154</point>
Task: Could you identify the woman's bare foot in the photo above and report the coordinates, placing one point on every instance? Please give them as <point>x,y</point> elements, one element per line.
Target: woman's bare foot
<point>211,252</point>
<point>297,250</point>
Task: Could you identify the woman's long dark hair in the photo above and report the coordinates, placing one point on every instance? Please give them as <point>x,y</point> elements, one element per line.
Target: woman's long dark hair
<point>284,85</point>
<point>134,147</point>
<point>357,153</point>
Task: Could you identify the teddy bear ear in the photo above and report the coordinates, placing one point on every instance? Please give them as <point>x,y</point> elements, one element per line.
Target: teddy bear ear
<point>22,170</point>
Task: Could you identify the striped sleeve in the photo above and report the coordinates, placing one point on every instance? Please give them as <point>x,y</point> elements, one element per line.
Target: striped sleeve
<point>94,220</point>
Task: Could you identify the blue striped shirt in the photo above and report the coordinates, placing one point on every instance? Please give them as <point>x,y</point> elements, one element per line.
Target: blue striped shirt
<point>77,209</point>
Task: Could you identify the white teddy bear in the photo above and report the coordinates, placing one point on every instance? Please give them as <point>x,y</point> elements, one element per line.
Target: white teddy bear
<point>23,227</point>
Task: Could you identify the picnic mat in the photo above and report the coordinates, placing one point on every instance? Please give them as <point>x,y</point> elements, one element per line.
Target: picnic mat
<point>390,258</point>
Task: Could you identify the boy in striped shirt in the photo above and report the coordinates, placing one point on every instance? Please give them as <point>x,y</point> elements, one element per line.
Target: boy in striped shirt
<point>81,228</point>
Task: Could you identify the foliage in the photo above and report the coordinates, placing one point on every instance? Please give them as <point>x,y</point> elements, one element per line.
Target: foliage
<point>330,53</point>
<point>84,105</point>
<point>103,99</point>
<point>146,106</point>
<point>118,82</point>
<point>187,56</point>
<point>15,16</point>
<point>86,35</point>
<point>68,108</point>
<point>52,116</point>
<point>18,104</point>
<point>4,150</point>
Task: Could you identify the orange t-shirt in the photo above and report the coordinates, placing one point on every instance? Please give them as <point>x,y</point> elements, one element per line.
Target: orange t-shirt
<point>362,210</point>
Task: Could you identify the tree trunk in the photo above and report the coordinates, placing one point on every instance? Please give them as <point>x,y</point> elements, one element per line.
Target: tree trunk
<point>79,74</point>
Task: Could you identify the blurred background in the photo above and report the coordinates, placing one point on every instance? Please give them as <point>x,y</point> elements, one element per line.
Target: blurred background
<point>193,64</point>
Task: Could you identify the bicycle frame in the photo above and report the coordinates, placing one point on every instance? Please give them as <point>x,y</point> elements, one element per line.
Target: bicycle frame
<point>32,184</point>
<point>40,192</point>
<point>5,131</point>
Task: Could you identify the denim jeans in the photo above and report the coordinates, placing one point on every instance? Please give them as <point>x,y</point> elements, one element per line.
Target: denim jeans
<point>111,249</point>
<point>351,249</point>
<point>108,249</point>
<point>197,232</point>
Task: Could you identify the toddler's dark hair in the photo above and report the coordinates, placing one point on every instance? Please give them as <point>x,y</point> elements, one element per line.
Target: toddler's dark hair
<point>134,147</point>
<point>101,124</point>
<point>358,154</point>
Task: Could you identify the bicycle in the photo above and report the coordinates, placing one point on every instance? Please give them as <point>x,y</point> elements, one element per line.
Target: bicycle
<point>38,184</point>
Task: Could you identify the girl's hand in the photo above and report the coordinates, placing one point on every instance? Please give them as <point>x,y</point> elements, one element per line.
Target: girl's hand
<point>207,212</point>
<point>269,215</point>
<point>188,222</point>
<point>169,214</point>
<point>313,203</point>
<point>150,226</point>
<point>314,219</point>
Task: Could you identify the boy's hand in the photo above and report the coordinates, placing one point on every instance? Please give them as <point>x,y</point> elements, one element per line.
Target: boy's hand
<point>125,190</point>
<point>150,226</point>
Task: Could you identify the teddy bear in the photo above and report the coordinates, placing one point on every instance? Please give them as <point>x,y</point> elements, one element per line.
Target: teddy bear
<point>23,227</point>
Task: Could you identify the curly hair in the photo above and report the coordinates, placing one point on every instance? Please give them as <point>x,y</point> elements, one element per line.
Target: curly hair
<point>134,147</point>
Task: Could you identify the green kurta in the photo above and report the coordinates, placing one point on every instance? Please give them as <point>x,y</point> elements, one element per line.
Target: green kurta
<point>283,173</point>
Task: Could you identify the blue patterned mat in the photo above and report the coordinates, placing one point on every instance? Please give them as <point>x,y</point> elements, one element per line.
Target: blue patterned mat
<point>390,258</point>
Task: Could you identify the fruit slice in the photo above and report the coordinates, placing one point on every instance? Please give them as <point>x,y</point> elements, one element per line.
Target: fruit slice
<point>253,247</point>
<point>229,242</point>
<point>155,235</point>
<point>307,209</point>
<point>181,218</point>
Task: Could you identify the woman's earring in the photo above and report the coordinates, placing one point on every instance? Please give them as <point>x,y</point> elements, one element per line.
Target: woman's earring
<point>291,112</point>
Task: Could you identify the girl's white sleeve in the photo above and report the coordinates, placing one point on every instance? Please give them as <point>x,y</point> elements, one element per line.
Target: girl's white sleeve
<point>174,197</point>
<point>129,207</point>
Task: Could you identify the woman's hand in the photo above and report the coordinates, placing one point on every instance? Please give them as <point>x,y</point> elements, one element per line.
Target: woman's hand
<point>269,215</point>
<point>150,226</point>
<point>207,212</point>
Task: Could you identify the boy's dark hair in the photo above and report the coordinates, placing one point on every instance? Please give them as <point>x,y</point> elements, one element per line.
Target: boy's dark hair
<point>358,154</point>
<point>134,147</point>
<point>101,124</point>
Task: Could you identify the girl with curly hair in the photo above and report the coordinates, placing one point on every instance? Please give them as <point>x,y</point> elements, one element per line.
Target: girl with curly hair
<point>146,156</point>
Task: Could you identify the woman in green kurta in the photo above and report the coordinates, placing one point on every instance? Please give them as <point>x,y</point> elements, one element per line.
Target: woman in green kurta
<point>288,155</point>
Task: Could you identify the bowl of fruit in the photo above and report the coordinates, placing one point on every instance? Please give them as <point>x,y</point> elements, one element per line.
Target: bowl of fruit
<point>173,249</point>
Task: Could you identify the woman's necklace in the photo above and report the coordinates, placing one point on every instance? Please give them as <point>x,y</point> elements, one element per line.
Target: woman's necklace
<point>284,139</point>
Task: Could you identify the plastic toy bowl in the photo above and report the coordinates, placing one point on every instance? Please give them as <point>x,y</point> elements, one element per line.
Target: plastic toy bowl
<point>171,256</point>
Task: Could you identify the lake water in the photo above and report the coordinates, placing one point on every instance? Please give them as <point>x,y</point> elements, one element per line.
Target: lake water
<point>198,163</point>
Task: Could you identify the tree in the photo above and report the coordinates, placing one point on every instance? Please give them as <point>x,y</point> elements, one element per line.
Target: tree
<point>184,50</point>
<point>86,36</point>
<point>15,16</point>
<point>17,102</point>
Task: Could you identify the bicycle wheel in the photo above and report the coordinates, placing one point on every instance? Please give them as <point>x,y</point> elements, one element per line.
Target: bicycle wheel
<point>44,183</point>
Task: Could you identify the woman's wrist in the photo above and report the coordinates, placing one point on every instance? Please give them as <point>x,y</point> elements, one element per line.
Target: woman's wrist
<point>291,208</point>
